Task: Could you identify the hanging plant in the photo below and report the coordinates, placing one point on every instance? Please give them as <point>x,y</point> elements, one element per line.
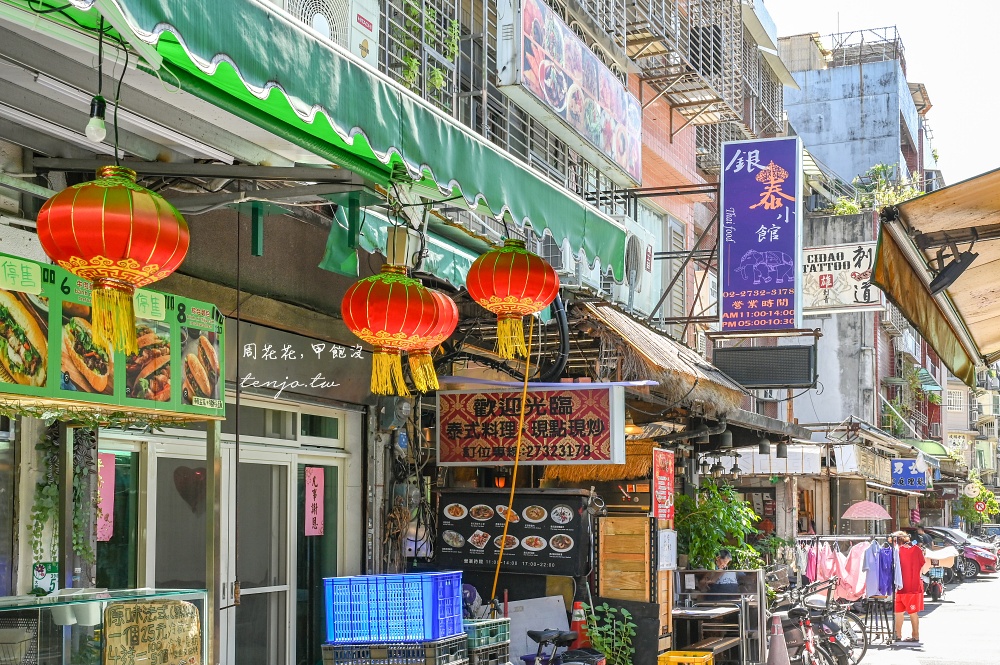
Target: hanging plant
<point>45,508</point>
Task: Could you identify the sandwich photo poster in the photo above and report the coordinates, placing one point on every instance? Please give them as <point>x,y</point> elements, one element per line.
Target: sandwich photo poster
<point>48,351</point>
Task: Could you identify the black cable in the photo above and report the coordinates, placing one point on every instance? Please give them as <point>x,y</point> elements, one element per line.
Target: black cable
<point>118,94</point>
<point>100,56</point>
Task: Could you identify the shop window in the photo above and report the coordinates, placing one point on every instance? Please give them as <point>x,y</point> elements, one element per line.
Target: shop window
<point>319,427</point>
<point>260,422</point>
<point>117,557</point>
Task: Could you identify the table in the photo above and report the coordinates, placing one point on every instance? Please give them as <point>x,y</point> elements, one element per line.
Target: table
<point>707,613</point>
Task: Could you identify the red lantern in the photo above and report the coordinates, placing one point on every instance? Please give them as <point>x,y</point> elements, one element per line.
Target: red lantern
<point>512,282</point>
<point>421,363</point>
<point>120,237</point>
<point>393,313</point>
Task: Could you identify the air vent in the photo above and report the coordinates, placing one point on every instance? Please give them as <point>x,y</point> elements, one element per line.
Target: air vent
<point>330,18</point>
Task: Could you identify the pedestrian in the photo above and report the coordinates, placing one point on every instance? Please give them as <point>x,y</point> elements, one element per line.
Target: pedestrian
<point>923,538</point>
<point>910,595</point>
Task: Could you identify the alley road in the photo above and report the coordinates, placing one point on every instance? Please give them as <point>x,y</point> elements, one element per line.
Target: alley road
<point>960,630</point>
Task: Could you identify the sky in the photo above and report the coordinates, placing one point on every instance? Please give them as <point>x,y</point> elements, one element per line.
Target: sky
<point>951,47</point>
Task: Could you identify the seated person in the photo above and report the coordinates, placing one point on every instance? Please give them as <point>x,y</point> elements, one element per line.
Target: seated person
<point>722,580</point>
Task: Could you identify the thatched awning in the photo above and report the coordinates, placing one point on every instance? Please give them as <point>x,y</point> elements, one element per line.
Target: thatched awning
<point>638,464</point>
<point>641,353</point>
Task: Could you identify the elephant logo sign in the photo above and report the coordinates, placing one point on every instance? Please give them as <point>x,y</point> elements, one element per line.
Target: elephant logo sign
<point>766,266</point>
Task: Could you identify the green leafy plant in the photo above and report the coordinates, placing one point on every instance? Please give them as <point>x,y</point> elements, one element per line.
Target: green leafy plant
<point>716,519</point>
<point>746,558</point>
<point>966,506</point>
<point>877,188</point>
<point>411,70</point>
<point>435,78</point>
<point>452,40</point>
<point>610,631</point>
<point>45,507</point>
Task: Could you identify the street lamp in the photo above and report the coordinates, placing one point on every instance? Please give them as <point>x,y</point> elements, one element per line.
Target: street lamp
<point>764,445</point>
<point>782,452</point>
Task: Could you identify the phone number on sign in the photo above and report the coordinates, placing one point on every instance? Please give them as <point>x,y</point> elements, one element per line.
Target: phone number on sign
<point>530,451</point>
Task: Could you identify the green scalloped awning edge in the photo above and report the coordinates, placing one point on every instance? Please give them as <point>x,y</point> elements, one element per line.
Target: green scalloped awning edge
<point>249,59</point>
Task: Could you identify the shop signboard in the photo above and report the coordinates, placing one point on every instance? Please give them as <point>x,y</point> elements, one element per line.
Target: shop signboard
<point>838,278</point>
<point>46,310</point>
<point>158,631</point>
<point>280,365</point>
<point>572,425</point>
<point>663,484</point>
<point>548,532</point>
<point>760,249</point>
<point>543,66</point>
<point>906,475</point>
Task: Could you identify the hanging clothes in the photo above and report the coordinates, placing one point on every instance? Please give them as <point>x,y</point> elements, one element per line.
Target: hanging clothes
<point>826,563</point>
<point>870,564</point>
<point>812,555</point>
<point>885,571</point>
<point>897,571</point>
<point>852,583</point>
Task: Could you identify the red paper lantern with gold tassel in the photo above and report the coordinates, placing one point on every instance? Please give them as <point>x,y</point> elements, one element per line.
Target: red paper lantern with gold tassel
<point>120,237</point>
<point>393,313</point>
<point>421,362</point>
<point>512,283</point>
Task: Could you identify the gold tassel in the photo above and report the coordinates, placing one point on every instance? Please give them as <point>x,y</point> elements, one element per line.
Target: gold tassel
<point>510,338</point>
<point>113,315</point>
<point>422,369</point>
<point>417,370</point>
<point>387,373</point>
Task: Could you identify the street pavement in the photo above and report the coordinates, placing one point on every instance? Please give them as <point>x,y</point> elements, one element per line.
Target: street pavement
<point>960,630</point>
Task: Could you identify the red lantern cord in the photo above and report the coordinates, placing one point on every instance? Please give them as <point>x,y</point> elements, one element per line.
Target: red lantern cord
<point>119,237</point>
<point>512,283</point>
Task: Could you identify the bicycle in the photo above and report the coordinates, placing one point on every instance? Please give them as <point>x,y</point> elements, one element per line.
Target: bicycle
<point>560,639</point>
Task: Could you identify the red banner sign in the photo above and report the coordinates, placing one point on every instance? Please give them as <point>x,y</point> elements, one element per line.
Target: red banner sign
<point>663,484</point>
<point>582,425</point>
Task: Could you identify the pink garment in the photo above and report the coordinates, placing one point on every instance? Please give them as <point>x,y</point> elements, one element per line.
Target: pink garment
<point>811,564</point>
<point>826,563</point>
<point>852,582</point>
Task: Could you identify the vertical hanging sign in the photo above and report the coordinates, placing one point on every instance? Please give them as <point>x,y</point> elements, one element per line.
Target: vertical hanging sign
<point>314,500</point>
<point>760,243</point>
<point>663,484</point>
<point>105,496</point>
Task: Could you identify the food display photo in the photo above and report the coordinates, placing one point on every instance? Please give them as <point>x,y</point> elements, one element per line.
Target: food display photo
<point>544,532</point>
<point>87,365</point>
<point>200,366</point>
<point>568,77</point>
<point>24,331</point>
<point>148,372</point>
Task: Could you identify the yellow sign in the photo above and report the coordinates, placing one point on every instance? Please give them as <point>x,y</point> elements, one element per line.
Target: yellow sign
<point>158,632</point>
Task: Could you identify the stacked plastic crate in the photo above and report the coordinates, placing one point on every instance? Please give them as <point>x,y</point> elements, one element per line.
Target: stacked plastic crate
<point>413,619</point>
<point>488,641</point>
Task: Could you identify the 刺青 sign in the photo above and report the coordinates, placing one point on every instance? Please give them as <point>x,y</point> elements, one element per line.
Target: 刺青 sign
<point>572,425</point>
<point>760,246</point>
<point>906,475</point>
<point>838,278</point>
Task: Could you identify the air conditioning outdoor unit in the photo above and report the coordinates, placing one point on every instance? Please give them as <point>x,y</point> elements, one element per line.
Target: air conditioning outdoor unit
<point>353,24</point>
<point>637,292</point>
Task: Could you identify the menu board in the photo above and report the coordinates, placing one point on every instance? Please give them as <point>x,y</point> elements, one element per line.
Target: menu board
<point>47,348</point>
<point>158,631</point>
<point>548,534</point>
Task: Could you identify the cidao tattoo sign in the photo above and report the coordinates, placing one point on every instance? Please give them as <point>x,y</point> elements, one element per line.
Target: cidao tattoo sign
<point>584,425</point>
<point>838,278</point>
<point>760,243</point>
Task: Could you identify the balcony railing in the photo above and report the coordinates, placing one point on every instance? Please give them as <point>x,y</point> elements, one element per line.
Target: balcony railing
<point>893,321</point>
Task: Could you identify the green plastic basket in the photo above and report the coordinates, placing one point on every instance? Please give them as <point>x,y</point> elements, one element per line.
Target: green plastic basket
<point>486,632</point>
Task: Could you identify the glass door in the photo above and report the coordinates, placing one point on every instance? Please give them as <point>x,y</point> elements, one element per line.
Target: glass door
<point>317,553</point>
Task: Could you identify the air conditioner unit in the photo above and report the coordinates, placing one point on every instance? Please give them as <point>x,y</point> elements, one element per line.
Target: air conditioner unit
<point>353,24</point>
<point>638,291</point>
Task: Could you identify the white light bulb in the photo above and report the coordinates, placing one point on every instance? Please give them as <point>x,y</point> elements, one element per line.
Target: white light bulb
<point>96,130</point>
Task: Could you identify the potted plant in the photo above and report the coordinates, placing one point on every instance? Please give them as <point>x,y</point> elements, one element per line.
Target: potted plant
<point>610,631</point>
<point>716,519</point>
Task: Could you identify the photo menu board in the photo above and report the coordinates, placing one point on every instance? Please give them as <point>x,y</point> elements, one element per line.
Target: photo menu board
<point>548,534</point>
<point>48,352</point>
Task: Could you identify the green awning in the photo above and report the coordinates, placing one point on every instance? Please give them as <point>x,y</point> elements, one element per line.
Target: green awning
<point>929,447</point>
<point>928,382</point>
<point>253,60</point>
<point>443,259</point>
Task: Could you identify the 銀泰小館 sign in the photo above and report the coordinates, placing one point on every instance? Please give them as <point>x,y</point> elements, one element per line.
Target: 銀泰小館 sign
<point>760,243</point>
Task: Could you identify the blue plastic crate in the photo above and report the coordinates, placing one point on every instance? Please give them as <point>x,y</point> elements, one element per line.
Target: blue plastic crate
<point>338,609</point>
<point>393,608</point>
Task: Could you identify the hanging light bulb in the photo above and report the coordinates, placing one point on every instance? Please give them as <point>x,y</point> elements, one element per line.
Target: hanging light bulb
<point>782,452</point>
<point>631,429</point>
<point>718,470</point>
<point>704,468</point>
<point>763,445</point>
<point>96,130</point>
<point>735,471</point>
<point>726,439</point>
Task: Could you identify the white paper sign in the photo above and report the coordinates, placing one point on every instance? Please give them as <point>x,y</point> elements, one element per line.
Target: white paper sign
<point>667,551</point>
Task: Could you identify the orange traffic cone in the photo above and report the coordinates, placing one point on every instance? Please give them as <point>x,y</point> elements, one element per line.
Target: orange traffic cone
<point>579,626</point>
<point>777,650</point>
